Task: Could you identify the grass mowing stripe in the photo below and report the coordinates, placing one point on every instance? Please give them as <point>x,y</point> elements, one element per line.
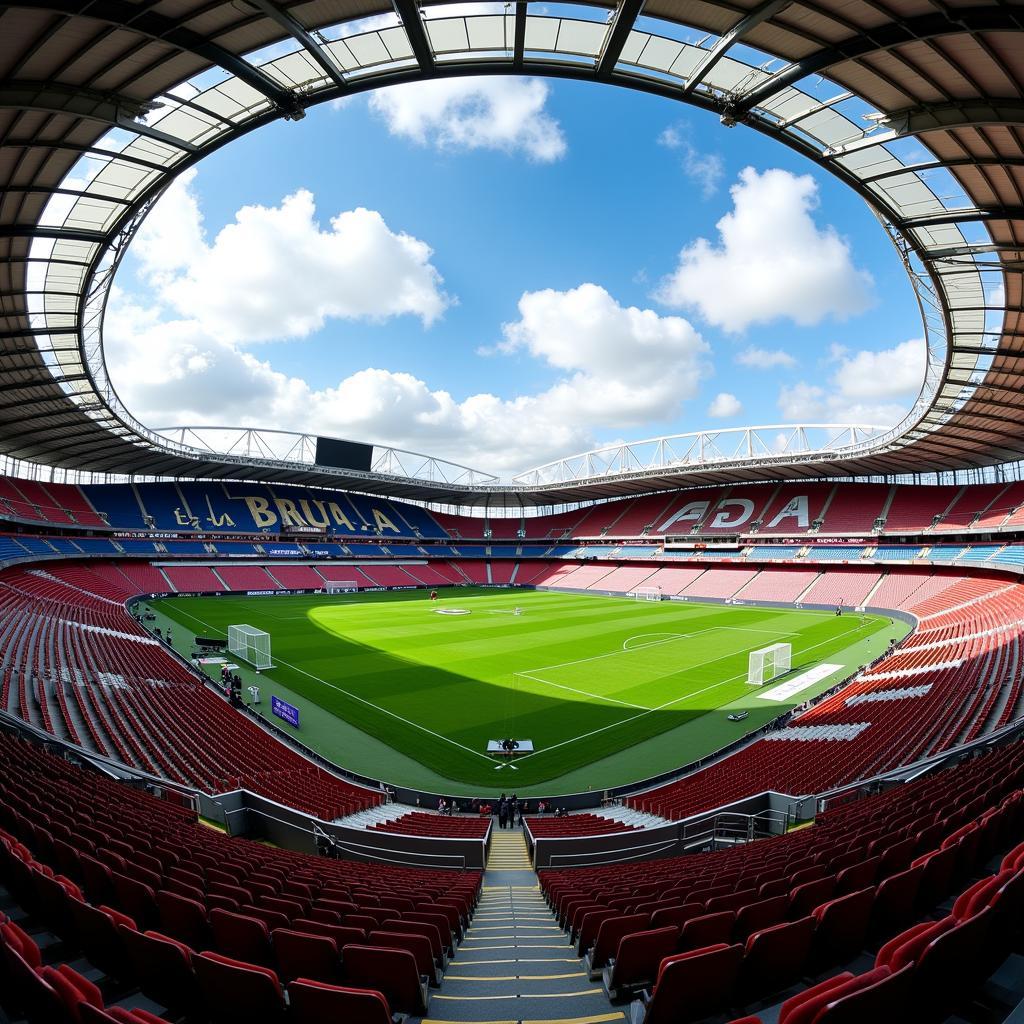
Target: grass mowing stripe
<point>376,707</point>
<point>650,711</point>
<point>436,688</point>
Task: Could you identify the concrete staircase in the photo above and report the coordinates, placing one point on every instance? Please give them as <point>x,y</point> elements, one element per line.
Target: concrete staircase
<point>508,851</point>
<point>630,816</point>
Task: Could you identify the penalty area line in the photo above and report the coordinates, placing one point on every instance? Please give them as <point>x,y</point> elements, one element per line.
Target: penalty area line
<point>356,697</point>
<point>677,700</point>
<point>572,689</point>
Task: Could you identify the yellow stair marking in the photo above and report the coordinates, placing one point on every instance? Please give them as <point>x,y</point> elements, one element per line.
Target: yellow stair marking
<point>515,924</point>
<point>600,1018</point>
<point>513,945</point>
<point>515,977</point>
<point>517,960</point>
<point>508,852</point>
<point>521,995</point>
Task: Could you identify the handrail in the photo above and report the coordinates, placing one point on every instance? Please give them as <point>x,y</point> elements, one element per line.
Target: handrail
<point>348,845</point>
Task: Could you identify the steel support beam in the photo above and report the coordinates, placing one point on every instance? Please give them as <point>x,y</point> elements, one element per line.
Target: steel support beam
<point>938,165</point>
<point>961,20</point>
<point>758,15</point>
<point>107,108</point>
<point>817,108</point>
<point>33,350</point>
<point>618,32</point>
<point>71,147</point>
<point>58,233</point>
<point>54,191</point>
<point>970,249</point>
<point>412,20</point>
<point>519,44</point>
<point>301,35</point>
<point>35,332</point>
<point>974,215</point>
<point>141,18</point>
<point>52,382</point>
<point>968,114</point>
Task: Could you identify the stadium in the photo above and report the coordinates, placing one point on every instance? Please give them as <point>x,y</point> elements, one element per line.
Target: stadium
<point>722,725</point>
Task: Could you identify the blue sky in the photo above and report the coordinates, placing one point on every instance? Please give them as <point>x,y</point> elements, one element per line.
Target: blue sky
<point>507,261</point>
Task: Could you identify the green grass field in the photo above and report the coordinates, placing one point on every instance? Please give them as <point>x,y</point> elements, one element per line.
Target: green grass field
<point>610,690</point>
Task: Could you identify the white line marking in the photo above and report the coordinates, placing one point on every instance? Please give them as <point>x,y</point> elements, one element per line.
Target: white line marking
<point>613,725</point>
<point>572,689</point>
<point>786,690</point>
<point>640,636</point>
<point>354,696</point>
<point>614,654</point>
<point>655,643</point>
<point>661,707</point>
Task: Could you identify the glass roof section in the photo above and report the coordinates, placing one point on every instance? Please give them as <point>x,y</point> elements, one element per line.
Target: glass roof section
<point>945,245</point>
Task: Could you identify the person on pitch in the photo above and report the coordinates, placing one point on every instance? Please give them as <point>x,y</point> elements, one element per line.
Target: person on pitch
<point>433,595</point>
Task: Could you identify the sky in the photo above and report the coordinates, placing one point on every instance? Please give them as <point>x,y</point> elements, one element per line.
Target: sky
<point>503,271</point>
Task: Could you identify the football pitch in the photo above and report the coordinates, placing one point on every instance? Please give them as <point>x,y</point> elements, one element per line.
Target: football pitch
<point>609,690</point>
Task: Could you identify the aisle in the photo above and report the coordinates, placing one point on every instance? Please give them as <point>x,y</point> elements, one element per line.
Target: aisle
<point>509,852</point>
<point>515,965</point>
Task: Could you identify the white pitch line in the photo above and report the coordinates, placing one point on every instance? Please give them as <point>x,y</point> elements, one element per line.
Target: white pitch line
<point>613,654</point>
<point>572,689</point>
<point>348,693</point>
<point>630,650</point>
<point>640,636</point>
<point>672,638</point>
<point>661,707</point>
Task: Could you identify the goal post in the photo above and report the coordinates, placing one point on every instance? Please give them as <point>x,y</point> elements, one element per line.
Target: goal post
<point>250,644</point>
<point>769,663</point>
<point>647,594</point>
<point>342,587</point>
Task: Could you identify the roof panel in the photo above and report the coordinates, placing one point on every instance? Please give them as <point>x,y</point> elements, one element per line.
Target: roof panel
<point>888,72</point>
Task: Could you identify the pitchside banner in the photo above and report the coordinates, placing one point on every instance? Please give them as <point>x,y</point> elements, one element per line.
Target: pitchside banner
<point>284,710</point>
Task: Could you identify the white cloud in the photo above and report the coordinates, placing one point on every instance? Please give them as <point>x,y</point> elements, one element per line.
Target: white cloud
<point>498,113</point>
<point>764,359</point>
<point>626,365</point>
<point>802,401</point>
<point>771,261</point>
<point>725,405</point>
<point>866,387</point>
<point>617,366</point>
<point>274,272</point>
<point>704,169</point>
<point>891,372</point>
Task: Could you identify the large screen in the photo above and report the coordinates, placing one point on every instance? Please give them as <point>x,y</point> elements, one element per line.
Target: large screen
<point>343,454</point>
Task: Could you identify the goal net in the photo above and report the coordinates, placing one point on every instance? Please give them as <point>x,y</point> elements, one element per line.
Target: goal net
<point>647,594</point>
<point>342,587</point>
<point>250,644</point>
<point>769,663</point>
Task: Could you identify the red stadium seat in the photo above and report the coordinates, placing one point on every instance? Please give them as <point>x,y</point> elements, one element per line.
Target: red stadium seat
<point>163,968</point>
<point>391,972</point>
<point>692,985</point>
<point>313,1002</point>
<point>301,955</point>
<point>637,958</point>
<point>239,991</point>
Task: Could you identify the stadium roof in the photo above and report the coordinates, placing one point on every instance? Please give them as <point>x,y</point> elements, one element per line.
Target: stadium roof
<point>103,101</point>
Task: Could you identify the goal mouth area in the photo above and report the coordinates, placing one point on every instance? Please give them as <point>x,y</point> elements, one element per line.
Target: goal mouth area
<point>341,587</point>
<point>769,664</point>
<point>249,644</point>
